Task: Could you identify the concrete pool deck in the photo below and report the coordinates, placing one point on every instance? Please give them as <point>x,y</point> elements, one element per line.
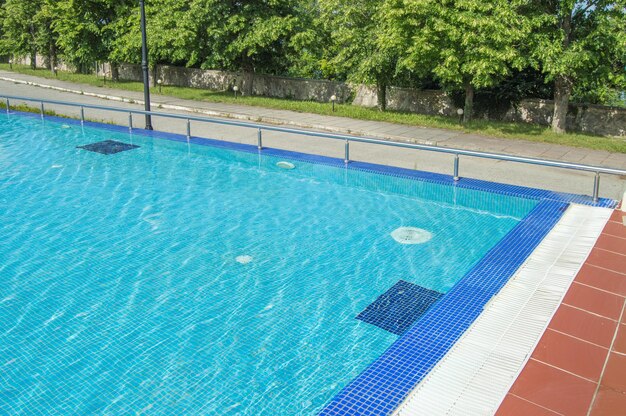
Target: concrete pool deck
<point>491,170</point>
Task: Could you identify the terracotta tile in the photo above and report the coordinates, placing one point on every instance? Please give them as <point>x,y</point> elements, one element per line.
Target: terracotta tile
<point>602,279</point>
<point>620,340</point>
<point>571,354</point>
<point>615,373</point>
<point>554,389</point>
<point>612,243</point>
<point>515,406</point>
<point>594,300</point>
<point>609,402</point>
<point>615,228</point>
<point>584,325</point>
<point>617,216</point>
<point>608,260</point>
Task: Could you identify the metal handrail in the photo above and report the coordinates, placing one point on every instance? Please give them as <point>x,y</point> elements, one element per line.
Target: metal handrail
<point>346,138</point>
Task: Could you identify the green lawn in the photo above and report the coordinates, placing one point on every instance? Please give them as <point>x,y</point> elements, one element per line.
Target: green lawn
<point>497,129</point>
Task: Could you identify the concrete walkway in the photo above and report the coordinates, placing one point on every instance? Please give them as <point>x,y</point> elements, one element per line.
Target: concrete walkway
<point>548,178</point>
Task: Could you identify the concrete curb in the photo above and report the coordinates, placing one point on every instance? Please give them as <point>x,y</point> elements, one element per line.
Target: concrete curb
<point>222,114</point>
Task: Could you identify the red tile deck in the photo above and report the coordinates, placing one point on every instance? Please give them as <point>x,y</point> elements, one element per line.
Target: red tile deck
<point>579,365</point>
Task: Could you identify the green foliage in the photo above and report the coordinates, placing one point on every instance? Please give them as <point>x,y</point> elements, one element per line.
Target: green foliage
<point>19,33</point>
<point>460,41</point>
<point>459,45</point>
<point>582,40</point>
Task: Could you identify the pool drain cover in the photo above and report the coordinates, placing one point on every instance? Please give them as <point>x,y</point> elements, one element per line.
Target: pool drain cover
<point>399,307</point>
<point>411,235</point>
<point>108,147</point>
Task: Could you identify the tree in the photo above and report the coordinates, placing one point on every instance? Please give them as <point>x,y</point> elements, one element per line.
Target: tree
<point>582,48</point>
<point>467,44</point>
<point>354,52</point>
<point>83,28</point>
<point>46,38</point>
<point>251,36</point>
<point>19,35</point>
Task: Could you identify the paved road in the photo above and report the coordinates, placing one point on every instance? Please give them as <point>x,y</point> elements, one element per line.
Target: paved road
<point>535,176</point>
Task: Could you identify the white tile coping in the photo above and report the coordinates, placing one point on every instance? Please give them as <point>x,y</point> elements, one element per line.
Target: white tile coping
<point>475,375</point>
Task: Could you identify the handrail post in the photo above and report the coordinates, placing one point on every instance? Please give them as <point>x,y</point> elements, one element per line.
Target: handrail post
<point>456,167</point>
<point>596,187</point>
<point>82,115</point>
<point>259,143</point>
<point>41,109</point>
<point>346,157</point>
<point>188,129</point>
<point>8,103</point>
<point>130,121</point>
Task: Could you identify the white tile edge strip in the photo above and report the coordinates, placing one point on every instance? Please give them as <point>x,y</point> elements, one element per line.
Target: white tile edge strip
<point>476,374</point>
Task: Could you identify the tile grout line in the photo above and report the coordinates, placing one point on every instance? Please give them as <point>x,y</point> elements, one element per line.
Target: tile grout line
<point>536,404</point>
<point>576,338</point>
<point>604,268</point>
<point>610,251</point>
<point>601,290</point>
<point>606,362</point>
<point>563,370</point>
<point>585,310</point>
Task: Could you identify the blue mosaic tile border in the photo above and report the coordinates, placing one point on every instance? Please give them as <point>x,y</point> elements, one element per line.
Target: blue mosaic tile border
<point>382,386</point>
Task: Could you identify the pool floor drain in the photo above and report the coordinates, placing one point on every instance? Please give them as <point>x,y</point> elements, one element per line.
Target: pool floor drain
<point>411,235</point>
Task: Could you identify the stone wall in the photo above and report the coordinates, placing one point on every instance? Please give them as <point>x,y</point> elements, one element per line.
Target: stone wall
<point>431,102</point>
<point>266,85</point>
<point>609,121</point>
<point>587,118</point>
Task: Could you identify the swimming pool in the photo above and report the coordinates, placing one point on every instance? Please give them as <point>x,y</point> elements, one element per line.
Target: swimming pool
<point>178,278</point>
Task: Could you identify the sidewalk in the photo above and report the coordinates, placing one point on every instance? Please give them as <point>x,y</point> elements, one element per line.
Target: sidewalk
<point>384,130</point>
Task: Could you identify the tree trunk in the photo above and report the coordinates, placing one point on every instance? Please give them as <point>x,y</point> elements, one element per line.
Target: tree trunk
<point>53,57</point>
<point>562,92</point>
<point>562,84</point>
<point>154,75</point>
<point>469,103</point>
<point>381,91</point>
<point>115,71</point>
<point>33,48</point>
<point>33,58</point>
<point>247,81</point>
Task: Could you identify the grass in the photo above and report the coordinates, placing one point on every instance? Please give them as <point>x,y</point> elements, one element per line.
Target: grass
<point>498,129</point>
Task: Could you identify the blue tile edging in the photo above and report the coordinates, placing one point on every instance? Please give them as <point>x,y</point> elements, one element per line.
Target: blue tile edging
<point>385,383</point>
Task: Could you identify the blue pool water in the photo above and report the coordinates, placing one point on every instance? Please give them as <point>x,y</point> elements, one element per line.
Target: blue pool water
<point>121,291</point>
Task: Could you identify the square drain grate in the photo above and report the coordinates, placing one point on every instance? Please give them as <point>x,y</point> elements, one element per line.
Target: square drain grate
<point>108,147</point>
<point>399,307</point>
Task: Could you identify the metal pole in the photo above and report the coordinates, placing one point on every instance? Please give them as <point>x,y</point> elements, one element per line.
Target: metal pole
<point>8,105</point>
<point>41,109</point>
<point>346,158</point>
<point>259,140</point>
<point>188,129</point>
<point>596,187</point>
<point>82,115</point>
<point>456,167</point>
<point>130,121</point>
<point>144,64</point>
